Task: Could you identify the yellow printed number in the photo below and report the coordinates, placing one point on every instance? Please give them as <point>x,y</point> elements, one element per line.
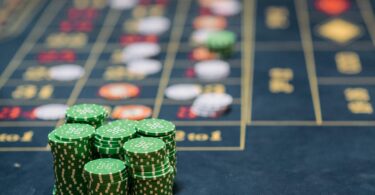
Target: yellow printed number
<point>36,73</point>
<point>277,17</point>
<point>66,40</point>
<point>348,63</point>
<point>279,80</point>
<point>358,100</point>
<point>213,136</point>
<point>32,91</point>
<point>214,88</point>
<point>118,73</point>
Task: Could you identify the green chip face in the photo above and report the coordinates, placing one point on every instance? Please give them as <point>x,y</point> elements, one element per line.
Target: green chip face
<point>117,130</point>
<point>85,112</point>
<point>144,145</point>
<point>155,127</point>
<point>221,38</point>
<point>104,166</point>
<point>74,132</point>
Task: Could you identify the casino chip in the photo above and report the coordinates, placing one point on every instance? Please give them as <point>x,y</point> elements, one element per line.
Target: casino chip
<point>225,7</point>
<point>140,50</point>
<point>122,4</point>
<point>144,66</point>
<point>132,112</point>
<point>199,37</point>
<point>210,22</point>
<point>153,25</point>
<point>66,72</point>
<point>50,111</point>
<point>118,91</point>
<point>211,104</point>
<point>183,91</point>
<point>212,70</point>
<point>222,42</point>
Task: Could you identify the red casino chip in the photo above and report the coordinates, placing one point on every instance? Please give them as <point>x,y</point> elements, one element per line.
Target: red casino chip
<point>332,7</point>
<point>131,112</point>
<point>210,22</point>
<point>118,91</point>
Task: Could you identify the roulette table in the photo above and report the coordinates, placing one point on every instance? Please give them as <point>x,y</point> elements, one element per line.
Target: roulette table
<point>302,81</point>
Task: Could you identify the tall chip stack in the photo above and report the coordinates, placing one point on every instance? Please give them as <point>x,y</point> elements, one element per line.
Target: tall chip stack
<point>91,114</point>
<point>110,138</point>
<point>106,176</point>
<point>164,130</point>
<point>71,149</point>
<point>149,167</point>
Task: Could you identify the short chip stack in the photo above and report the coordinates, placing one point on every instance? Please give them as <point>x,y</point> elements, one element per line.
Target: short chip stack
<point>222,42</point>
<point>164,130</point>
<point>110,138</point>
<point>106,176</point>
<point>91,114</point>
<point>148,162</point>
<point>71,149</point>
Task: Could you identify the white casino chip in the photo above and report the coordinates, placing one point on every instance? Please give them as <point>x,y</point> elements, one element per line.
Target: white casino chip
<point>153,25</point>
<point>144,66</point>
<point>50,111</point>
<point>66,72</point>
<point>212,70</point>
<point>139,50</point>
<point>226,7</point>
<point>122,4</point>
<point>183,91</point>
<point>211,104</point>
<point>199,37</point>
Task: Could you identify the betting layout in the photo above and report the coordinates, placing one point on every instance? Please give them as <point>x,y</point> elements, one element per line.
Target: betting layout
<point>320,62</point>
<point>138,58</point>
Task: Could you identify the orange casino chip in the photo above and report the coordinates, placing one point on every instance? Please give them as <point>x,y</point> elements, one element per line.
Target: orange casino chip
<point>210,22</point>
<point>131,112</point>
<point>118,91</point>
<point>202,53</point>
<point>332,7</point>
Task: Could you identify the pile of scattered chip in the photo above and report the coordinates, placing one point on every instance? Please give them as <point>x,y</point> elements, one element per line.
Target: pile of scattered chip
<point>150,170</point>
<point>164,130</point>
<point>91,114</point>
<point>106,176</point>
<point>71,149</point>
<point>110,138</point>
<point>211,104</point>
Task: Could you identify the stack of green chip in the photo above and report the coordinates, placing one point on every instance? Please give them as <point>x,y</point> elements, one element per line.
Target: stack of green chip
<point>222,42</point>
<point>91,114</point>
<point>163,130</point>
<point>71,149</point>
<point>106,176</point>
<point>110,138</point>
<point>149,166</point>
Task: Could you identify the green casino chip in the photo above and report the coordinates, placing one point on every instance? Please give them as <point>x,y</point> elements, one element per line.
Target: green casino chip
<point>117,130</point>
<point>104,167</point>
<point>144,146</point>
<point>74,132</point>
<point>86,113</point>
<point>155,127</point>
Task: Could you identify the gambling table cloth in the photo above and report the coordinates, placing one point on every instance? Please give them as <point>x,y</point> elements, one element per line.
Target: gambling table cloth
<point>302,79</point>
